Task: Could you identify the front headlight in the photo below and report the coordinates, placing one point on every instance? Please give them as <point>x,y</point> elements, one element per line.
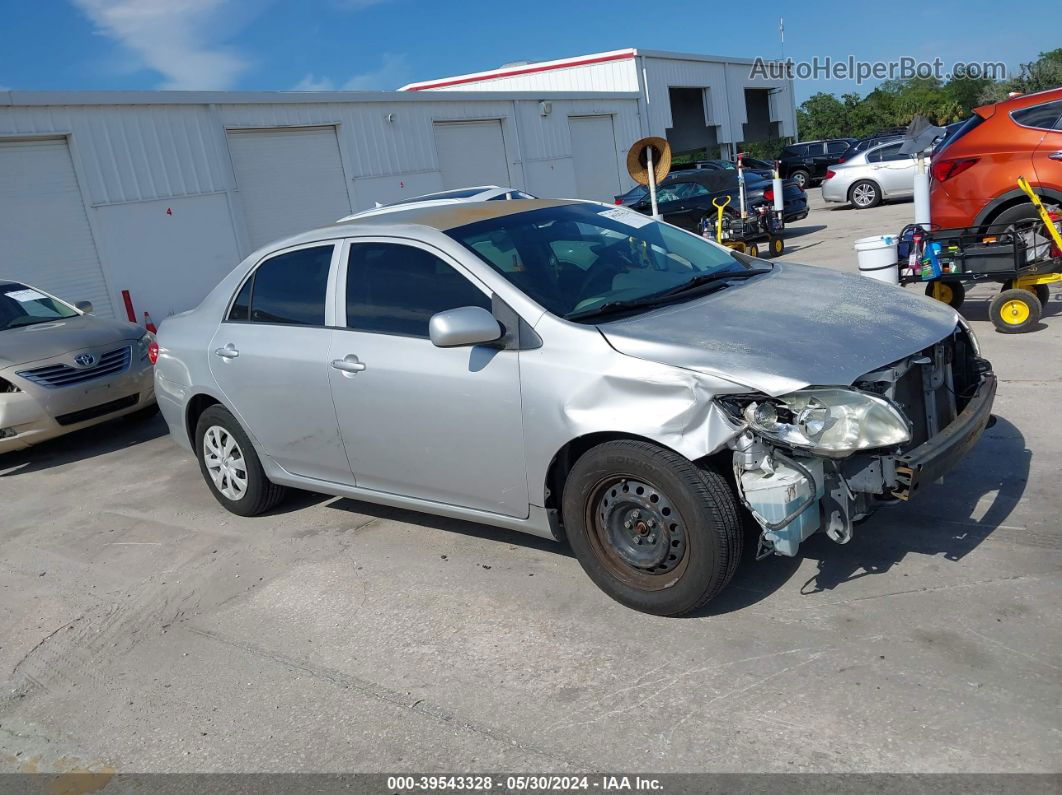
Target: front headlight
<point>143,344</point>
<point>830,420</point>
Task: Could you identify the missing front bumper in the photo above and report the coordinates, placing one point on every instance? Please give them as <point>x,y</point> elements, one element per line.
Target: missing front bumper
<point>932,459</point>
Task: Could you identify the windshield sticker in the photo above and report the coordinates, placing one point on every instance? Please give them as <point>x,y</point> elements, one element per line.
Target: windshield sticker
<point>25,295</point>
<point>628,217</point>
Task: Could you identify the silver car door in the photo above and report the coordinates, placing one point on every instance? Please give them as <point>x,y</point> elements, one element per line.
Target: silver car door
<point>894,171</point>
<point>441,424</point>
<point>270,359</point>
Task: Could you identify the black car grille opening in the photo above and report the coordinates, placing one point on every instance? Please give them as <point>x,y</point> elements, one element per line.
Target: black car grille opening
<point>60,375</point>
<point>92,413</point>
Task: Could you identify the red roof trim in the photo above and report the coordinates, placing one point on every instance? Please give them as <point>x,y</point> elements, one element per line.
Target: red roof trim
<point>623,56</point>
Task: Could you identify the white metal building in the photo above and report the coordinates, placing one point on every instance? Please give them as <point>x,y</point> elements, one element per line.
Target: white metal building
<point>695,101</point>
<point>162,193</point>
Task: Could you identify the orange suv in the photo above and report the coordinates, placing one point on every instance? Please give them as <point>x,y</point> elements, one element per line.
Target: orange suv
<point>975,170</point>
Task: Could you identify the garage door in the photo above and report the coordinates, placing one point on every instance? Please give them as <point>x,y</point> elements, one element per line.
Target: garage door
<point>471,153</point>
<point>290,180</point>
<point>45,238</point>
<point>594,156</point>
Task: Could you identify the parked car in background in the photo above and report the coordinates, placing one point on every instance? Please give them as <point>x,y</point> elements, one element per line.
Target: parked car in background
<point>870,177</point>
<point>61,369</point>
<point>751,166</point>
<point>863,144</point>
<point>633,196</point>
<point>482,193</point>
<point>576,371</point>
<point>806,162</point>
<point>975,170</point>
<point>685,197</point>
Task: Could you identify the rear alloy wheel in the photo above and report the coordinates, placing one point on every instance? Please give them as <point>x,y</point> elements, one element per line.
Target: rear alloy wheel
<point>801,178</point>
<point>231,467</point>
<point>651,529</point>
<point>864,195</point>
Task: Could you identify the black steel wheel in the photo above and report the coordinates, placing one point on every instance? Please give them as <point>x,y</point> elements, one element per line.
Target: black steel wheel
<point>650,528</point>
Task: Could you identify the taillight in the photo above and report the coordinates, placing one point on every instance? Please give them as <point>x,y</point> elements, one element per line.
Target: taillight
<point>946,169</point>
<point>830,174</point>
<point>153,351</point>
<point>619,201</point>
<point>768,195</point>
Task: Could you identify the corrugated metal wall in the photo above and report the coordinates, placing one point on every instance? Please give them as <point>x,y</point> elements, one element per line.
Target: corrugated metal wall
<point>130,154</point>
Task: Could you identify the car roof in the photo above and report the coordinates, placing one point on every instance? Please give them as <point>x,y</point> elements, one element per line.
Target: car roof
<point>1019,102</point>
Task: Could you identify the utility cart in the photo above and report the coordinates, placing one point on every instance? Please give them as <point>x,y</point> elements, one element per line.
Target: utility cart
<point>1025,257</point>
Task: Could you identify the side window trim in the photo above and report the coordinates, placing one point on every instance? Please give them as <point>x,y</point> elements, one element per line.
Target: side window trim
<point>338,304</point>
<point>330,288</point>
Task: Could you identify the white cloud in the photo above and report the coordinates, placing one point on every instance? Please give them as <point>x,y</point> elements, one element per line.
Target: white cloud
<point>178,38</point>
<point>393,72</point>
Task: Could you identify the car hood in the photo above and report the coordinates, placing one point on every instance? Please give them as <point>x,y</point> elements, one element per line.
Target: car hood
<point>793,327</point>
<point>43,340</point>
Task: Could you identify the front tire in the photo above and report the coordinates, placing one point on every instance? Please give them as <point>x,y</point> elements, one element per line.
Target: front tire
<point>801,178</point>
<point>231,467</point>
<point>651,529</point>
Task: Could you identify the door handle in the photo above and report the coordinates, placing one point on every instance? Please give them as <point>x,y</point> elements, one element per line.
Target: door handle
<point>228,352</point>
<point>348,364</point>
<point>1056,155</point>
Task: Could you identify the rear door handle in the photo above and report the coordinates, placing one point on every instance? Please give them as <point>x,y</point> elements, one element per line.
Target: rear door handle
<point>1056,155</point>
<point>349,364</point>
<point>228,352</point>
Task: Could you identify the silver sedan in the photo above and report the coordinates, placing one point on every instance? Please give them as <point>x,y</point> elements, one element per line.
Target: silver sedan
<point>870,177</point>
<point>576,371</point>
<point>61,369</point>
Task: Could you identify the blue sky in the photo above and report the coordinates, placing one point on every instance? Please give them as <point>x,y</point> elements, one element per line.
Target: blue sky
<point>381,44</point>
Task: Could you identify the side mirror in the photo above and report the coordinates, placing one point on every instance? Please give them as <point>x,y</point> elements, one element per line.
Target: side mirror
<point>466,325</point>
<point>84,306</point>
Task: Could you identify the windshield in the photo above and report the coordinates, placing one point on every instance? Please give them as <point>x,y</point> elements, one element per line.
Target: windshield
<point>578,257</point>
<point>23,306</point>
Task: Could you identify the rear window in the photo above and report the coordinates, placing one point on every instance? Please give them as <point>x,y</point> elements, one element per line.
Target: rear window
<point>958,132</point>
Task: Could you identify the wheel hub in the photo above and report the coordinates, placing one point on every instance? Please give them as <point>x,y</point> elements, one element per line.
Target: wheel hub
<point>640,526</point>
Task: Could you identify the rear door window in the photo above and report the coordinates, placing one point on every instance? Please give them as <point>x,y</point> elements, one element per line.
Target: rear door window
<point>837,147</point>
<point>287,289</point>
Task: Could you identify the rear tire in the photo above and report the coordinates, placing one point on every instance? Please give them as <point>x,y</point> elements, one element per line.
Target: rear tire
<point>801,178</point>
<point>1041,291</point>
<point>651,529</point>
<point>1015,311</point>
<point>230,465</point>
<point>864,194</point>
<point>947,291</point>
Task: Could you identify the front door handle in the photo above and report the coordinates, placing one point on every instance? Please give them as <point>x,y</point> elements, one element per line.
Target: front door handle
<point>1056,155</point>
<point>228,352</point>
<point>349,364</point>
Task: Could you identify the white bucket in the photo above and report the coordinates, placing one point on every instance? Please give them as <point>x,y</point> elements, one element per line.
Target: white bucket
<point>877,258</point>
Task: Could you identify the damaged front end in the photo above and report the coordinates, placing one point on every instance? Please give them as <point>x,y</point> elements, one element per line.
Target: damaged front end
<point>821,459</point>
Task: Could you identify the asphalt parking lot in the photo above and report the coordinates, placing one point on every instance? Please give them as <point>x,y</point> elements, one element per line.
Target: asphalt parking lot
<point>146,629</point>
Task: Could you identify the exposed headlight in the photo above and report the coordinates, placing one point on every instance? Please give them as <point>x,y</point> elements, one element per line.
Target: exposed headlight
<point>831,421</point>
